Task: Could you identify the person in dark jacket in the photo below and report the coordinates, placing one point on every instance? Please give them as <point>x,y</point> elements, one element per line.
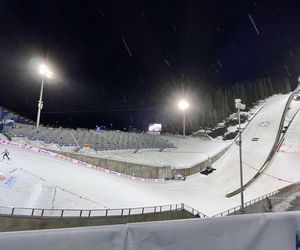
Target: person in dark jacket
<point>5,154</point>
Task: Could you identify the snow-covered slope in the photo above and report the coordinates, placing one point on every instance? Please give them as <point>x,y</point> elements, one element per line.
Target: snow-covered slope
<point>284,168</point>
<point>48,182</point>
<point>257,141</point>
<point>190,152</point>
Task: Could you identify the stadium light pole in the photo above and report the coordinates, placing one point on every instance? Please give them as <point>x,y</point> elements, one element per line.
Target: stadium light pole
<point>240,107</point>
<point>45,73</point>
<point>183,105</point>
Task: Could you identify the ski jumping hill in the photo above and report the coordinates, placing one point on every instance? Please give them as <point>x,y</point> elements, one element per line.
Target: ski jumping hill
<point>43,181</point>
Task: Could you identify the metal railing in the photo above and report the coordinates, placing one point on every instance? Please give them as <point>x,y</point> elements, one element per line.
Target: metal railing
<point>86,213</point>
<point>193,211</point>
<point>246,204</point>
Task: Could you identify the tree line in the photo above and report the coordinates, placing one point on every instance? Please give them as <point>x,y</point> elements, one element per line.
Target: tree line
<point>214,105</point>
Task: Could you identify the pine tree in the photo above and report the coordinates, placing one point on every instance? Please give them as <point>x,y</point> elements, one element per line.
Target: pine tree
<point>287,85</point>
<point>270,86</point>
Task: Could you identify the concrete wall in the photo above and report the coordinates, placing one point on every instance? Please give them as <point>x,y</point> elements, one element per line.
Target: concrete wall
<point>201,166</point>
<point>133,169</point>
<point>19,223</point>
<point>141,170</point>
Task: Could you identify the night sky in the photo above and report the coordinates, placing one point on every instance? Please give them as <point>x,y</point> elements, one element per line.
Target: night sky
<point>119,63</point>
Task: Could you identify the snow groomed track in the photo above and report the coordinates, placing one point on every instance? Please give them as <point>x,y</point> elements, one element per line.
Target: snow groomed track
<point>272,151</point>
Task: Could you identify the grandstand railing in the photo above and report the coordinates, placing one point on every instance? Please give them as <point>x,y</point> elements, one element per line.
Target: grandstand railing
<point>109,140</point>
<point>87,213</point>
<point>246,204</point>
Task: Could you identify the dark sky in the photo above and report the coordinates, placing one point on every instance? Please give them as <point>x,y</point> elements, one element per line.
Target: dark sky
<point>118,62</point>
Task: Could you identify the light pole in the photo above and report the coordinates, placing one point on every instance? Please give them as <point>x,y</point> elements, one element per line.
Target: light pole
<point>45,72</point>
<point>240,107</point>
<point>183,105</point>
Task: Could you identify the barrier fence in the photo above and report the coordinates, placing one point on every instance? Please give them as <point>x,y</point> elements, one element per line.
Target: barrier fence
<point>79,163</point>
<point>85,213</point>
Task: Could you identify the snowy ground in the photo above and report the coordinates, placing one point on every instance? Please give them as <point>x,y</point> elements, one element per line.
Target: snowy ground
<point>284,168</point>
<point>264,128</point>
<point>42,181</point>
<point>189,152</point>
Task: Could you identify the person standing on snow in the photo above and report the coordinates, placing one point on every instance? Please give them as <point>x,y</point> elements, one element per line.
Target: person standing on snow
<point>5,154</point>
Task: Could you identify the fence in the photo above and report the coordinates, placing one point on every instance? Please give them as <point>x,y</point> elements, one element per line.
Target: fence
<point>80,163</point>
<point>246,204</point>
<point>84,213</point>
<point>275,196</point>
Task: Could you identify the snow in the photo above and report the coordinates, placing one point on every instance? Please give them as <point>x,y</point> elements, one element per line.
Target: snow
<point>47,182</point>
<point>284,168</point>
<point>3,137</point>
<point>190,152</point>
<point>286,203</point>
<point>254,152</point>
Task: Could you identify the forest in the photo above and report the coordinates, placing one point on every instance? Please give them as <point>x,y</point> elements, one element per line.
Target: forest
<point>214,106</point>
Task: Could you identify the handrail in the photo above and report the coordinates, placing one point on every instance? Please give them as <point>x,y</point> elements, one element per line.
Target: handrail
<point>107,139</point>
<point>251,202</point>
<point>87,213</point>
<point>74,139</point>
<point>246,204</point>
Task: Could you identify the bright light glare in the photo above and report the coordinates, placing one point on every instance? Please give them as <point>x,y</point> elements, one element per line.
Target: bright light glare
<point>45,71</point>
<point>183,105</point>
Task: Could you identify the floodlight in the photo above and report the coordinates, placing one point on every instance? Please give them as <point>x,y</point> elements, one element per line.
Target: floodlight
<point>183,105</point>
<point>43,69</point>
<point>45,73</point>
<point>240,106</point>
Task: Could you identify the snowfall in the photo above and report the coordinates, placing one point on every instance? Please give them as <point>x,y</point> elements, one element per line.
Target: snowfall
<point>39,180</point>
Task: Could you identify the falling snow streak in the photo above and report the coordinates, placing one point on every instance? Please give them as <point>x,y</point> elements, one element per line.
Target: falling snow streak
<point>287,70</point>
<point>220,64</point>
<point>253,23</point>
<point>167,62</point>
<point>129,52</point>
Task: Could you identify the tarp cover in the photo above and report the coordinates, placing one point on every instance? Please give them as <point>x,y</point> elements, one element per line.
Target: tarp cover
<point>256,231</point>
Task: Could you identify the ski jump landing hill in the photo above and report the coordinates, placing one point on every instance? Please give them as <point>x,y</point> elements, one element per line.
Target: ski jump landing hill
<point>42,180</point>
